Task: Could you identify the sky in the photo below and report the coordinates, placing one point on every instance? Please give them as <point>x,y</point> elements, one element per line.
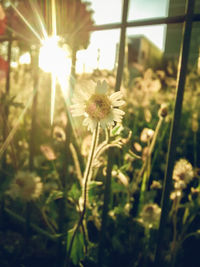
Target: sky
<point>102,48</point>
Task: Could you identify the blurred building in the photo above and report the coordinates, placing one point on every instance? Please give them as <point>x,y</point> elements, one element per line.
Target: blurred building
<point>142,53</point>
<point>174,33</point>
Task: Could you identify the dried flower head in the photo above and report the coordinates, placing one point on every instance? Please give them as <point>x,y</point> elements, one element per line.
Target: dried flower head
<point>163,111</point>
<point>182,174</point>
<point>59,134</point>
<point>150,215</point>
<point>98,107</point>
<point>26,186</point>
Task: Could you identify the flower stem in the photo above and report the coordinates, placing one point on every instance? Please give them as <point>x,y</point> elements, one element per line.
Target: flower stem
<point>147,167</point>
<point>151,147</point>
<point>86,178</point>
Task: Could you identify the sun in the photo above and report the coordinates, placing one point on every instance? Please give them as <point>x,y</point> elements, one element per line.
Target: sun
<point>56,60</point>
<point>53,58</point>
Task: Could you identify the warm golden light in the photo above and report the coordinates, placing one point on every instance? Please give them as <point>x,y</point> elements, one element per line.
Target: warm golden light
<point>55,60</point>
<point>25,59</point>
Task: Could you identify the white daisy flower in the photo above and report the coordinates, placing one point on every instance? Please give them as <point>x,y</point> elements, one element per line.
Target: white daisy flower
<point>97,106</point>
<point>26,186</point>
<point>182,173</point>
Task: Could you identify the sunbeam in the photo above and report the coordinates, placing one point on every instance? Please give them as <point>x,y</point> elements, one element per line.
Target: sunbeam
<point>53,74</point>
<point>41,23</point>
<point>55,60</point>
<point>54,18</point>
<point>26,22</point>
<point>52,58</point>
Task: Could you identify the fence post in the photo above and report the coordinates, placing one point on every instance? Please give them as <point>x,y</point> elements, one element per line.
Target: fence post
<point>122,46</point>
<point>6,107</point>
<point>107,189</point>
<point>35,57</point>
<point>182,69</point>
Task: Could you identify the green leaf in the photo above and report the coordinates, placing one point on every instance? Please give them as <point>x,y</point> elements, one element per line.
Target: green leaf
<point>74,192</point>
<point>93,189</point>
<point>77,252</point>
<point>118,187</point>
<point>116,130</point>
<point>54,196</point>
<point>186,214</point>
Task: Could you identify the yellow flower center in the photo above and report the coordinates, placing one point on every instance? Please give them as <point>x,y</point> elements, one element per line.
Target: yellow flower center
<point>20,182</point>
<point>98,106</point>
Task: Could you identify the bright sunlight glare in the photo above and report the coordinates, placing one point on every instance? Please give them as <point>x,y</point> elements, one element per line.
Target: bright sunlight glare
<point>55,60</point>
<point>25,59</point>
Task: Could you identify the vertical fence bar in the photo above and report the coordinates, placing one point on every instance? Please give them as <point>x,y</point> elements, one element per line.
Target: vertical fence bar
<point>6,108</point>
<point>35,58</point>
<point>122,46</point>
<point>107,189</point>
<point>64,177</point>
<point>182,70</point>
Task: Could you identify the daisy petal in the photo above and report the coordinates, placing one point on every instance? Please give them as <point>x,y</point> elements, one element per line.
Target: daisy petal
<point>90,123</point>
<point>101,88</point>
<point>118,103</point>
<point>77,110</point>
<point>117,115</point>
<point>118,111</point>
<point>116,96</point>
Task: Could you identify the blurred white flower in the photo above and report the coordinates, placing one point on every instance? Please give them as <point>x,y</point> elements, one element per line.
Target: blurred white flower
<point>98,107</point>
<point>156,185</point>
<point>146,135</point>
<point>150,215</point>
<point>175,195</point>
<point>183,173</point>
<point>26,186</point>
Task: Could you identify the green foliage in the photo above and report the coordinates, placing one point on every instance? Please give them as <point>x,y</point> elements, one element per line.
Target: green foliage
<point>133,173</point>
<point>77,253</point>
